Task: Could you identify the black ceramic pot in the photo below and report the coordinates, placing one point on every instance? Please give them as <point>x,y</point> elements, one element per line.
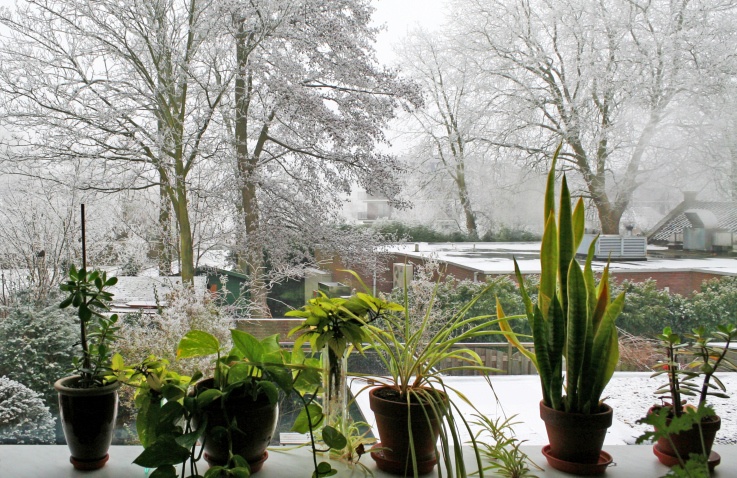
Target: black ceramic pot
<point>255,424</point>
<point>88,419</point>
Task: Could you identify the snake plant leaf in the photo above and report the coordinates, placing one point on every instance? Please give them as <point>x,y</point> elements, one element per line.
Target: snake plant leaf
<point>576,331</point>
<point>577,223</point>
<point>550,186</point>
<point>557,346</point>
<point>548,266</point>
<point>542,351</point>
<point>606,349</point>
<point>511,337</point>
<point>565,242</point>
<point>588,276</point>
<point>523,291</point>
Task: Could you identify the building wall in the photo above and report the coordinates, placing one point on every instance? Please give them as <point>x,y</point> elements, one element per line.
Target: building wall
<point>680,282</point>
<point>683,282</point>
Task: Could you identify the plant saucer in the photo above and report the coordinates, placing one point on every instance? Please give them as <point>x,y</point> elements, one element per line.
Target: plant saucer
<point>585,469</point>
<point>399,468</point>
<point>670,460</point>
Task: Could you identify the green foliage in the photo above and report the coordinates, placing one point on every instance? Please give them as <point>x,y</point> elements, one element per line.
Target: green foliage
<point>423,233</point>
<point>29,353</point>
<point>649,309</point>
<point>451,295</point>
<point>714,304</point>
<point>510,234</point>
<point>169,405</point>
<point>573,318</point>
<point>338,322</point>
<point>87,292</point>
<point>416,355</point>
<point>708,358</point>
<point>664,425</point>
<point>503,452</point>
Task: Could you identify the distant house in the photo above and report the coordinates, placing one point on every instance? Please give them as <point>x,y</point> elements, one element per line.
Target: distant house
<point>698,225</point>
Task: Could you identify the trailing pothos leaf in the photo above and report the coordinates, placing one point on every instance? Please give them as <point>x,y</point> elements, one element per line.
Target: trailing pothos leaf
<point>573,321</point>
<point>171,409</point>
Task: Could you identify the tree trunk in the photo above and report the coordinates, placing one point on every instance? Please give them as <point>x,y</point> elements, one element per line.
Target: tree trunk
<point>163,245</point>
<point>251,261</point>
<point>186,249</point>
<point>470,216</point>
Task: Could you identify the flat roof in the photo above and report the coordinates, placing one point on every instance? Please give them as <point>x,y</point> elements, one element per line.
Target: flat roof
<point>497,258</point>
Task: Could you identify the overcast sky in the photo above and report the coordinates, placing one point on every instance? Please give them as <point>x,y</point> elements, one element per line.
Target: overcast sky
<point>400,17</point>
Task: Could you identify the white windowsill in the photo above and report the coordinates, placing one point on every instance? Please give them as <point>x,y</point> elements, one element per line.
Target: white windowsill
<point>34,461</point>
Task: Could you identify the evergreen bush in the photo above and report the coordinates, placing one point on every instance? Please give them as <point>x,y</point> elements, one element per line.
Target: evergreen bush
<point>23,417</point>
<point>38,340</point>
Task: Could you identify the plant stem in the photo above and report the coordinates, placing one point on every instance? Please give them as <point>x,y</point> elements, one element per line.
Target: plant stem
<point>673,379</point>
<point>707,377</point>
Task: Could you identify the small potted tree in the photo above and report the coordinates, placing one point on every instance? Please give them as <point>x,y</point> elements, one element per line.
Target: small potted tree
<point>685,431</point>
<point>573,330</point>
<point>88,400</point>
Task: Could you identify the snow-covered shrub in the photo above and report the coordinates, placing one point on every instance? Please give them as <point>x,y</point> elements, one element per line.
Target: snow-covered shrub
<point>714,304</point>
<point>37,343</point>
<point>451,295</point>
<point>182,310</point>
<point>23,416</point>
<point>648,309</point>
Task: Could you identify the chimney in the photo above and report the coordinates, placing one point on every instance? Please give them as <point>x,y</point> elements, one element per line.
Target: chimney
<point>689,197</point>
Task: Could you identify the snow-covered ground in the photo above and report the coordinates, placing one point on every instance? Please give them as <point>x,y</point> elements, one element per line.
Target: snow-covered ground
<point>630,394</point>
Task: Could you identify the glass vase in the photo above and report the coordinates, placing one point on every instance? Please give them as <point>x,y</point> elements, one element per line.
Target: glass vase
<point>334,388</point>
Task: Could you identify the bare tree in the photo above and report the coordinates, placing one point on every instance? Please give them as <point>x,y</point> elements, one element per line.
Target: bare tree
<point>125,89</point>
<point>309,106</point>
<point>603,77</point>
<point>448,129</point>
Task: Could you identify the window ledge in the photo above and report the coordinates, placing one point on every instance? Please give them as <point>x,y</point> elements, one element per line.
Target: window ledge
<point>33,461</point>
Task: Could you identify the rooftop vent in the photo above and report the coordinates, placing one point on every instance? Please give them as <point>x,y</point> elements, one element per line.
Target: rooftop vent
<point>615,247</point>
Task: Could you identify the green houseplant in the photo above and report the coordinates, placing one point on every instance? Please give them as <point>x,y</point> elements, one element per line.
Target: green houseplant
<point>88,400</point>
<point>572,323</point>
<point>412,406</point>
<point>233,414</point>
<point>334,326</point>
<point>681,431</point>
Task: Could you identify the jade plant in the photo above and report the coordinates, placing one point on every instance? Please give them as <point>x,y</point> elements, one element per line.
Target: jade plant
<point>573,319</point>
<point>89,293</point>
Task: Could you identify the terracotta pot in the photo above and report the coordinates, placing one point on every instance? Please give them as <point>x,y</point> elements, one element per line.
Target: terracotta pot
<point>88,419</point>
<point>395,419</point>
<point>255,422</point>
<point>689,441</point>
<point>576,437</point>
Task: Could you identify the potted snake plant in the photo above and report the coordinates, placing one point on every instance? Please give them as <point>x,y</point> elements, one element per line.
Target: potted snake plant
<point>575,338</point>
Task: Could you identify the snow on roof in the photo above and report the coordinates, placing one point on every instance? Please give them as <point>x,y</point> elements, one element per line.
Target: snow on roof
<point>674,223</point>
<point>139,291</point>
<point>497,258</point>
